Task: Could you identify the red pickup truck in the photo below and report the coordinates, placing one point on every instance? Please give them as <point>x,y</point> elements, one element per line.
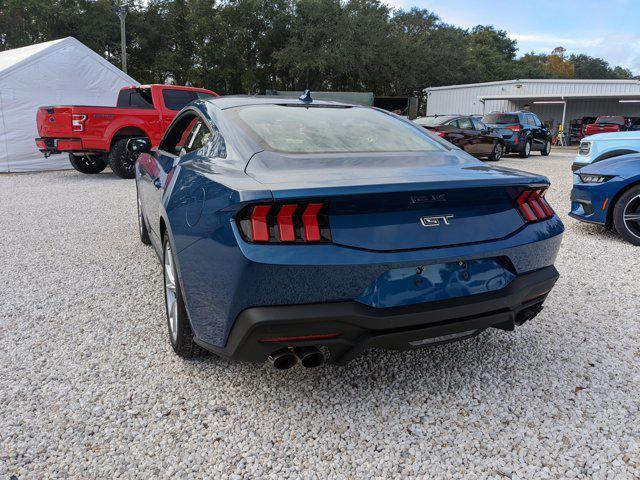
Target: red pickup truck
<point>608,123</point>
<point>96,137</point>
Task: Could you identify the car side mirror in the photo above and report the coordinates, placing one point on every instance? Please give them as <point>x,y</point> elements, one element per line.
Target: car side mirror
<point>139,145</point>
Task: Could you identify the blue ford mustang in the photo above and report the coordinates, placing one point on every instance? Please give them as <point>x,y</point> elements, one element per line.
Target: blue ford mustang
<point>608,193</point>
<point>307,231</point>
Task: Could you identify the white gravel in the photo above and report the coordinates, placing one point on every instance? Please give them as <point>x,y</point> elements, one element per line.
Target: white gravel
<point>90,388</point>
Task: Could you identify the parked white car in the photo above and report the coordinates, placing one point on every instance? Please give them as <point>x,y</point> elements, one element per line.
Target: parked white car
<point>606,145</point>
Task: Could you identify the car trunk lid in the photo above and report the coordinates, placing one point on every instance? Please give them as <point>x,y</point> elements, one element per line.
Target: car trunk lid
<point>401,201</point>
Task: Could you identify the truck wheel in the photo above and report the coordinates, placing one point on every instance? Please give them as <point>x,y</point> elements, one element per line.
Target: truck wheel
<point>122,162</point>
<point>88,163</point>
<point>626,215</point>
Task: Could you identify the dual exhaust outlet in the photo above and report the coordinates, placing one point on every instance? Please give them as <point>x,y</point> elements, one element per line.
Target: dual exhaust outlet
<point>286,358</point>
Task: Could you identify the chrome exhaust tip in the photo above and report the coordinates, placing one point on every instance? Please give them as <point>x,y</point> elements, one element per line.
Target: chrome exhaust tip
<point>310,357</point>
<point>283,359</point>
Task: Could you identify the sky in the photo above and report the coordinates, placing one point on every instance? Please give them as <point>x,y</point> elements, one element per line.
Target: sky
<point>609,29</point>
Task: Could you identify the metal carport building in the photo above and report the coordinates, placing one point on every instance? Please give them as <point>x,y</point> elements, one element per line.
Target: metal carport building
<point>554,101</point>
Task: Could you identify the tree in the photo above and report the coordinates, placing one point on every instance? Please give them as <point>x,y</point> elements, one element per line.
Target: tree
<point>557,66</point>
<point>492,54</point>
<point>248,46</point>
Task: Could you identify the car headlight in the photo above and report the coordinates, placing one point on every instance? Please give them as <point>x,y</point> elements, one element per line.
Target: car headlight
<point>588,178</point>
<point>585,148</point>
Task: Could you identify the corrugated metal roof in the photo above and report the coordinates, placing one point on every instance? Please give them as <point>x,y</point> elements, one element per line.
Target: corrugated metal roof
<point>540,80</point>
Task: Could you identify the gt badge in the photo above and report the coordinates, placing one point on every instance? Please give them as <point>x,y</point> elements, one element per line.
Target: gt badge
<point>436,220</point>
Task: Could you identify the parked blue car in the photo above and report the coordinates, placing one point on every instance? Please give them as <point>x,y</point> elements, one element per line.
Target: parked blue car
<point>608,193</point>
<point>601,146</point>
<point>522,132</point>
<point>307,231</point>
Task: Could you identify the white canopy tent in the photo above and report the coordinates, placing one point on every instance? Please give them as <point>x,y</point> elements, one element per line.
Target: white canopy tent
<point>60,72</point>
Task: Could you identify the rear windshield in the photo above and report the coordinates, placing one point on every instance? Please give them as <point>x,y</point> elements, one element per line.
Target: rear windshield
<point>500,118</point>
<point>322,129</point>
<point>432,121</point>
<point>135,98</point>
<point>611,120</point>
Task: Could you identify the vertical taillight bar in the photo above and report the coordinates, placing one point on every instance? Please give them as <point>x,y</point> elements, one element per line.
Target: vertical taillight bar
<point>533,206</point>
<point>310,222</point>
<point>259,225</point>
<point>286,230</point>
<point>284,223</point>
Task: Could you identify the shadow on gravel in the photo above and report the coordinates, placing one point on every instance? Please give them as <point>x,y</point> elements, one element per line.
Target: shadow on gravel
<point>461,369</point>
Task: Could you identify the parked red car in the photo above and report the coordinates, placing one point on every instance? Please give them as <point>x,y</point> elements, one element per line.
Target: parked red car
<point>466,132</point>
<point>577,128</point>
<point>608,123</point>
<point>96,137</point>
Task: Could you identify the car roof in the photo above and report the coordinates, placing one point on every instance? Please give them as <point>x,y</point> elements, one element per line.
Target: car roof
<point>232,101</point>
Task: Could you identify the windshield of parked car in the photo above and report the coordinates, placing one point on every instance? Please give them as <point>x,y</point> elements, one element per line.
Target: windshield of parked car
<point>610,120</point>
<point>330,129</point>
<point>500,118</point>
<point>432,121</point>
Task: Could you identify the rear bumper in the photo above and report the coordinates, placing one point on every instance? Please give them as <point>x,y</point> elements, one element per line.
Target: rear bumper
<point>53,146</point>
<point>345,329</point>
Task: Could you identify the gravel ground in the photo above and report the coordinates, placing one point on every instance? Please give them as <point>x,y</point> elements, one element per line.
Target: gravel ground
<point>91,389</point>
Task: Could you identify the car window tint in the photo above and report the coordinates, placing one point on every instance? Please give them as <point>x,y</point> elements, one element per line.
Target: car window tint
<point>328,129</point>
<point>178,99</point>
<point>135,98</point>
<point>500,118</point>
<point>454,123</point>
<point>177,134</point>
<point>536,121</point>
<point>465,123</point>
<point>141,99</point>
<point>478,124</point>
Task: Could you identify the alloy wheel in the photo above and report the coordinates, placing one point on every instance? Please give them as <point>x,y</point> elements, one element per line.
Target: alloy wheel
<point>631,216</point>
<point>170,292</point>
<point>527,148</point>
<point>498,151</point>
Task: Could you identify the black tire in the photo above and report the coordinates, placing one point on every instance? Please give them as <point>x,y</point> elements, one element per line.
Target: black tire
<point>526,150</point>
<point>122,162</point>
<point>497,152</point>
<point>546,150</point>
<point>90,164</point>
<point>628,204</point>
<point>142,224</point>
<point>182,340</point>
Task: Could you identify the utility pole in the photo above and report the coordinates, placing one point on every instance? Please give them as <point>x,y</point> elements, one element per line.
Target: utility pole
<point>121,11</point>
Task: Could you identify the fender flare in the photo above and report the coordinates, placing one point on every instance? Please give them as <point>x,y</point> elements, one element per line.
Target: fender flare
<point>614,153</point>
<point>614,200</point>
<point>115,129</point>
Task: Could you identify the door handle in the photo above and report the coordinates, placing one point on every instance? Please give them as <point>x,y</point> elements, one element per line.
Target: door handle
<point>157,183</point>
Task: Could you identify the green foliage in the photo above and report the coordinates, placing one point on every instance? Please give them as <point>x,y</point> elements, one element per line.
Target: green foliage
<point>248,46</point>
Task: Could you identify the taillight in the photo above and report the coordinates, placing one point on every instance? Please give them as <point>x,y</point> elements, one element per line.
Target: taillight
<point>533,206</point>
<point>440,134</point>
<point>515,128</point>
<point>285,222</point>
<point>77,122</point>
